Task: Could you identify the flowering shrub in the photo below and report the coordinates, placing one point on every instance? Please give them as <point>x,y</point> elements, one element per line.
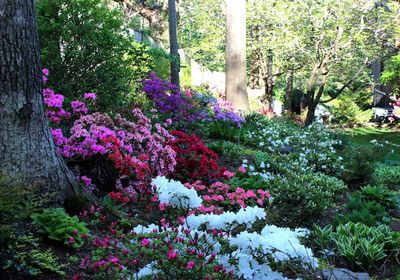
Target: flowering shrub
<point>313,148</point>
<point>195,160</point>
<point>206,247</point>
<point>169,100</point>
<point>137,147</point>
<point>192,106</point>
<point>220,196</point>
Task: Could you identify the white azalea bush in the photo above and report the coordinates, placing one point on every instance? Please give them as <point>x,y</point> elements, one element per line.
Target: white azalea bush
<point>223,243</point>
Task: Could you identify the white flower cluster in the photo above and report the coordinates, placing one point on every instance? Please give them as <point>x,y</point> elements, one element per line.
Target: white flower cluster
<point>261,171</point>
<point>251,249</point>
<point>175,193</point>
<point>313,145</point>
<point>226,220</point>
<point>282,244</point>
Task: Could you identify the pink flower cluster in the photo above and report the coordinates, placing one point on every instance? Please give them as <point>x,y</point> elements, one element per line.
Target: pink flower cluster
<point>219,197</point>
<point>54,103</point>
<point>136,141</point>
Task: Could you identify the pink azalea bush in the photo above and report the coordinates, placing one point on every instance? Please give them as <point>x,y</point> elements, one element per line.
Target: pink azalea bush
<point>137,147</point>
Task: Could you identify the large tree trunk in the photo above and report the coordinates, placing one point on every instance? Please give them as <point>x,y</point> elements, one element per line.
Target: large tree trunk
<point>27,149</point>
<point>173,43</point>
<point>236,84</point>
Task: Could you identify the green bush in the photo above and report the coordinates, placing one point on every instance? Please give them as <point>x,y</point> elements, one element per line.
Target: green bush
<point>362,247</point>
<point>86,49</point>
<point>346,112</point>
<point>381,195</point>
<point>59,226</point>
<point>388,176</point>
<point>300,198</point>
<point>358,164</point>
<point>369,213</point>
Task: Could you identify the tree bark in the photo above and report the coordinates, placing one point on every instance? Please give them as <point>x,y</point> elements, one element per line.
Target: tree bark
<point>269,79</point>
<point>173,42</point>
<point>236,84</point>
<point>27,149</point>
<point>289,90</point>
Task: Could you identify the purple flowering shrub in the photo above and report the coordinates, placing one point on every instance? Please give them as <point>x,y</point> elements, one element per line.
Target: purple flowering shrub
<point>135,148</point>
<point>187,106</point>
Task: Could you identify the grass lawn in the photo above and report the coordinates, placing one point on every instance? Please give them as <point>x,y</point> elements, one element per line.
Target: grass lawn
<point>364,135</point>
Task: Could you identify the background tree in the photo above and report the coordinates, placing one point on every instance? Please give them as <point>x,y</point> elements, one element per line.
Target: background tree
<point>236,82</point>
<point>86,49</point>
<point>27,148</point>
<point>201,31</point>
<point>173,43</point>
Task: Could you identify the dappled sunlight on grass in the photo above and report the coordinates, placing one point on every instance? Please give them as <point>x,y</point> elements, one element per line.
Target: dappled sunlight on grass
<point>390,139</point>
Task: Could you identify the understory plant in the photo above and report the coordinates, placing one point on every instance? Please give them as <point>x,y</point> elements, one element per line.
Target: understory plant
<point>26,256</point>
<point>297,199</point>
<point>194,160</point>
<point>111,152</point>
<point>57,225</point>
<point>387,175</point>
<point>360,246</point>
<point>363,211</point>
<point>196,246</point>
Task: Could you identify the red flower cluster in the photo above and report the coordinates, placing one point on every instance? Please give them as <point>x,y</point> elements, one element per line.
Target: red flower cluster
<point>119,196</point>
<point>194,159</point>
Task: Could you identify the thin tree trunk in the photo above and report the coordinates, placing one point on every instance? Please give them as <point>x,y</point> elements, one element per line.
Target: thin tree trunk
<point>236,84</point>
<point>27,149</point>
<point>173,42</point>
<point>269,81</point>
<point>289,90</point>
<point>316,97</point>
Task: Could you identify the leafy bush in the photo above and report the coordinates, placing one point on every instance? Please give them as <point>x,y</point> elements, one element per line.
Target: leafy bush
<point>346,111</point>
<point>26,256</point>
<point>358,162</point>
<point>85,47</point>
<point>369,213</point>
<point>381,195</point>
<point>388,176</point>
<point>59,226</point>
<point>359,245</point>
<point>299,199</point>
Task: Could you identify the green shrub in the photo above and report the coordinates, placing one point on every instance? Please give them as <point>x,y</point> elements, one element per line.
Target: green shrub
<point>59,226</point>
<point>387,175</point>
<point>300,198</point>
<point>85,46</point>
<point>26,256</point>
<point>369,213</point>
<point>345,111</point>
<point>381,195</point>
<point>358,164</point>
<point>362,247</point>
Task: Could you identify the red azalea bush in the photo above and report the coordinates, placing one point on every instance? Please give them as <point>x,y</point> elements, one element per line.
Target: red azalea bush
<point>194,160</point>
